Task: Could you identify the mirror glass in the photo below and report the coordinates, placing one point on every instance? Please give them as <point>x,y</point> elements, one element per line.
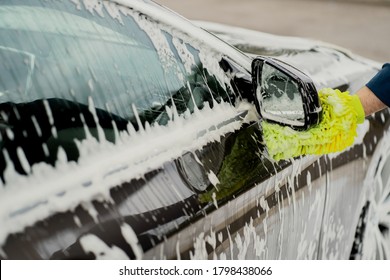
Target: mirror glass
<point>280,99</point>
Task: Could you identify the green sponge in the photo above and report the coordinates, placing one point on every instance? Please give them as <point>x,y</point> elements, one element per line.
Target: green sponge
<point>341,113</point>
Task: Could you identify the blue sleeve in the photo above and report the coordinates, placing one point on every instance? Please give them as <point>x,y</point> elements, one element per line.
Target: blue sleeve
<point>380,84</point>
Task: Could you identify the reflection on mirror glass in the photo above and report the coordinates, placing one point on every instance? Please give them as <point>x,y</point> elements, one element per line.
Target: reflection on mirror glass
<point>281,99</point>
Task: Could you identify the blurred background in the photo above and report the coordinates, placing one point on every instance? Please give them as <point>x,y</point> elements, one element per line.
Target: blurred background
<point>362,26</point>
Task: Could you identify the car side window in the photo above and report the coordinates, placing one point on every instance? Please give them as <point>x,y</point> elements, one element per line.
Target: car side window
<point>69,70</point>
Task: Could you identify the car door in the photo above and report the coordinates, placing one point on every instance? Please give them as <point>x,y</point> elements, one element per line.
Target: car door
<point>124,136</point>
<point>93,79</point>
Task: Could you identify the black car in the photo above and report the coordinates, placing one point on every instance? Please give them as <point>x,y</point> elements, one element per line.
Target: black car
<point>130,132</point>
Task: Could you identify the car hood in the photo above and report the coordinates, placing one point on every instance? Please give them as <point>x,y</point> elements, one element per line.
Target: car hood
<point>327,64</point>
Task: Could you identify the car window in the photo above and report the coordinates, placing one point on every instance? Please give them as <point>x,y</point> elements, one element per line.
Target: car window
<point>69,69</point>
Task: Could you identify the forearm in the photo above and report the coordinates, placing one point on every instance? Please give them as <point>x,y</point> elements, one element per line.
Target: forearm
<point>371,103</point>
<point>375,96</point>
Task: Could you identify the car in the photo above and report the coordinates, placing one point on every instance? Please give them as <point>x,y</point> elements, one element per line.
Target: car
<point>129,132</point>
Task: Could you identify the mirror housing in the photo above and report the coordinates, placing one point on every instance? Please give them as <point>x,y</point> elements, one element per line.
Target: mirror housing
<point>284,94</point>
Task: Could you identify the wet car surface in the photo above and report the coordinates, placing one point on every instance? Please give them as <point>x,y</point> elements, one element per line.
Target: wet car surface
<point>129,132</point>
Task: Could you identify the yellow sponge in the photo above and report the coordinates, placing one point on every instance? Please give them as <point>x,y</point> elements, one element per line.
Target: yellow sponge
<point>341,113</point>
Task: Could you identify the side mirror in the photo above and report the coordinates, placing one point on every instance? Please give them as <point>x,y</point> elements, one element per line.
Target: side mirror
<point>284,94</point>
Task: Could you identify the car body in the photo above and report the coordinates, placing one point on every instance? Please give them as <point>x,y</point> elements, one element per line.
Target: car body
<point>130,132</point>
